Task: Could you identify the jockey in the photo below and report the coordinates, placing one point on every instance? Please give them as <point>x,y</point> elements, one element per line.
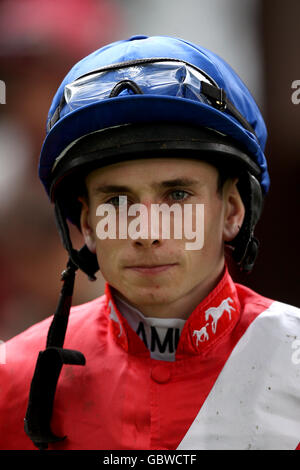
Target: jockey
<point>174,354</point>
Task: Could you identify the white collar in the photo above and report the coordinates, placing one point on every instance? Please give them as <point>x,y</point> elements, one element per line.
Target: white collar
<point>160,335</point>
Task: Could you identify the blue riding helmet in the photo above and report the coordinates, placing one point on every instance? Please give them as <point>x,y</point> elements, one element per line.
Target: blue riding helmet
<point>222,102</point>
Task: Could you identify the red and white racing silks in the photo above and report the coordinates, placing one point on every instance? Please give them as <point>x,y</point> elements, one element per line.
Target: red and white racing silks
<point>227,378</point>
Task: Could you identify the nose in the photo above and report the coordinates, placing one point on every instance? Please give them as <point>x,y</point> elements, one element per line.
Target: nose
<point>149,230</point>
<point>147,243</point>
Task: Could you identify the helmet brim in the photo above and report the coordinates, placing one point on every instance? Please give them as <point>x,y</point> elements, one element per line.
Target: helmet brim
<point>139,109</point>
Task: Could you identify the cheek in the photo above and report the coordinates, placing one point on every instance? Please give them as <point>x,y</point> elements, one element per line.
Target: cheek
<point>213,223</point>
<point>108,254</point>
<point>211,237</point>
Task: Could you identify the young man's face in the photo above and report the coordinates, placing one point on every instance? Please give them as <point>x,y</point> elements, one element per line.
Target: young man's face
<point>160,274</point>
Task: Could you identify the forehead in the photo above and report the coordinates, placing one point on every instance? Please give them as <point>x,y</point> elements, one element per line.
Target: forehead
<point>152,170</point>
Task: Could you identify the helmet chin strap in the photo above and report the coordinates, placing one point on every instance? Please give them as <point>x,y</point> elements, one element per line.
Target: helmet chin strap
<point>245,244</point>
<point>50,361</point>
<point>83,259</point>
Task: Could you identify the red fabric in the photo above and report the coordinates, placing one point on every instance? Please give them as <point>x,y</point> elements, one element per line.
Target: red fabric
<point>74,26</point>
<point>121,398</point>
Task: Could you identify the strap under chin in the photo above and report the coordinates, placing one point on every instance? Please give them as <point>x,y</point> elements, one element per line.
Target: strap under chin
<point>245,244</point>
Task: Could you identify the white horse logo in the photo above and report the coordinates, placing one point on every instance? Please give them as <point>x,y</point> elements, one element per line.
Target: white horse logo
<point>217,312</point>
<point>201,335</point>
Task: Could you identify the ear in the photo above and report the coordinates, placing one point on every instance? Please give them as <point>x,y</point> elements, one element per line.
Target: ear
<point>86,228</point>
<point>234,210</point>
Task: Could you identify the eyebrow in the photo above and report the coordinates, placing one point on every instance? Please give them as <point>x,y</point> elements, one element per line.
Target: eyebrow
<point>174,183</point>
<point>178,182</point>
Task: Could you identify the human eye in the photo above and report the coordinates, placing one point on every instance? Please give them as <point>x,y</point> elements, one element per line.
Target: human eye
<point>117,201</point>
<point>178,195</point>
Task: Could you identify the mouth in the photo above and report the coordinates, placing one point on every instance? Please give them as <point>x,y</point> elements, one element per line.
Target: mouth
<point>151,269</point>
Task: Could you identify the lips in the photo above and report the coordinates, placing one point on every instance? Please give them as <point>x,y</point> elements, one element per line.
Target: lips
<point>151,269</point>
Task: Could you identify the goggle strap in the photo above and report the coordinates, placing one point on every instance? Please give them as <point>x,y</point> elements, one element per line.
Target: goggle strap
<point>56,115</point>
<point>221,101</point>
<point>125,85</point>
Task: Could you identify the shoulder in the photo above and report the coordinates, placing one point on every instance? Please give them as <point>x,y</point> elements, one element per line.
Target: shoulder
<point>282,321</point>
<point>267,318</point>
<point>269,324</point>
<point>22,350</point>
<point>255,304</point>
<point>250,299</point>
<point>21,353</point>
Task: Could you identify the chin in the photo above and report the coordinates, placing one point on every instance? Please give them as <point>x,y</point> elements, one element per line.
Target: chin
<point>151,296</point>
